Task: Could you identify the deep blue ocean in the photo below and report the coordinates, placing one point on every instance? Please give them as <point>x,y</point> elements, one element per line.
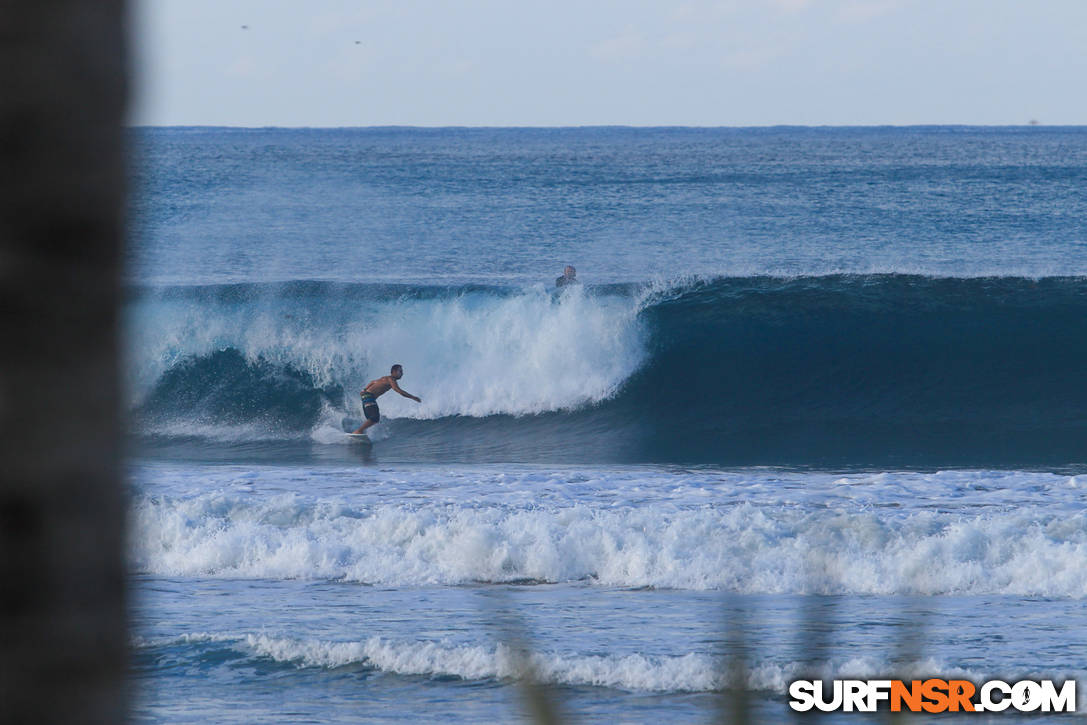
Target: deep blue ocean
<point>816,407</point>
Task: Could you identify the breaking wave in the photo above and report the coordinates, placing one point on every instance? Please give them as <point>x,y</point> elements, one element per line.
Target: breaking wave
<point>883,369</point>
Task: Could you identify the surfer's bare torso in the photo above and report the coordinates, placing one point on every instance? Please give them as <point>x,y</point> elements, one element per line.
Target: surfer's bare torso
<point>382,385</point>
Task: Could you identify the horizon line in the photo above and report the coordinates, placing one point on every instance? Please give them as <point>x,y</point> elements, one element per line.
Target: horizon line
<point>1034,124</point>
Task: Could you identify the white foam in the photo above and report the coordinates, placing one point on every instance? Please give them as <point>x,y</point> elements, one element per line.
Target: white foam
<point>218,431</point>
<point>644,672</point>
<point>741,547</point>
<point>475,354</point>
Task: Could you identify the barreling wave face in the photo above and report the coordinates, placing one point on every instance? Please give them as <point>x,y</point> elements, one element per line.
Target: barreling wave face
<point>880,370</point>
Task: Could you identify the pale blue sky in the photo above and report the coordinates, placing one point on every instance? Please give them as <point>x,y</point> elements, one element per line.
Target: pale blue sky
<point>560,63</point>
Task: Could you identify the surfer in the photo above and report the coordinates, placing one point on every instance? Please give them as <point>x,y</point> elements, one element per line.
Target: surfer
<point>377,388</point>
<point>569,277</point>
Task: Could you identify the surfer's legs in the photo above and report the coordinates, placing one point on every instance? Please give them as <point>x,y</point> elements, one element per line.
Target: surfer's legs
<point>362,428</point>
<point>370,410</point>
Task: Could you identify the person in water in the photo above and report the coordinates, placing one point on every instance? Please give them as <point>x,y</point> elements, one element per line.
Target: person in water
<point>569,276</point>
<point>376,388</point>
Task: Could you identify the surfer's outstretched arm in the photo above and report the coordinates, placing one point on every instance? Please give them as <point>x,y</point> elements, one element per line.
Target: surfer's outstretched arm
<point>405,393</point>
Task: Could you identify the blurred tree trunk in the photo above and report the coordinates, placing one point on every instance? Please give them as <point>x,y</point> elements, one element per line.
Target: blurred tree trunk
<point>63,641</point>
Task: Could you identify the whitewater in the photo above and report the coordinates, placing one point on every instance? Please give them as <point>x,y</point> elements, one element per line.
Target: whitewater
<point>816,410</point>
<point>752,532</point>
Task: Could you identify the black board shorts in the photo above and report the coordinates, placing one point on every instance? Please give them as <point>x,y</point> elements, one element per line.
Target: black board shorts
<point>369,407</point>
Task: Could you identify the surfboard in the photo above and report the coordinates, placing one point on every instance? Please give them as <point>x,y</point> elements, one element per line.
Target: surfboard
<point>360,437</point>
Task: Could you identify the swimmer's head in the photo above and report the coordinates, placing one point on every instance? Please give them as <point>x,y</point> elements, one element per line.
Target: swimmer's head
<point>397,371</point>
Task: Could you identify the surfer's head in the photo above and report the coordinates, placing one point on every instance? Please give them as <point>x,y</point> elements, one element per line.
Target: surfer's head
<point>397,371</point>
<point>569,272</point>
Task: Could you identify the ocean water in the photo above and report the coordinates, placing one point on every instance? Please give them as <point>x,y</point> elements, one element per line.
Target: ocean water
<point>817,408</point>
